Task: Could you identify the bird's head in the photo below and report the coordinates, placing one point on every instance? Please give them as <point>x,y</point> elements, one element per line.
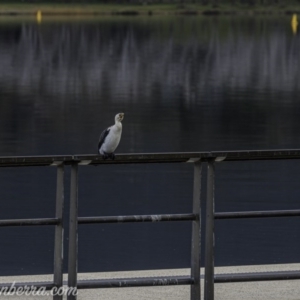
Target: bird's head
<point>119,117</point>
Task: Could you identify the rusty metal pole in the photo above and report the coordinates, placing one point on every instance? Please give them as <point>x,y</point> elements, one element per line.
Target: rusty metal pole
<point>196,234</point>
<point>73,238</point>
<point>59,232</point>
<point>209,238</point>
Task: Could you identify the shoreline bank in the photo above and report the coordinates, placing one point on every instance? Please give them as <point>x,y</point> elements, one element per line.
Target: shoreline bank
<point>142,9</point>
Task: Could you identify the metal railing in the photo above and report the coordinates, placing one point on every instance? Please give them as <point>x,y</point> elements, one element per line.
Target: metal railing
<point>195,158</point>
<point>58,239</point>
<point>211,215</point>
<point>193,280</point>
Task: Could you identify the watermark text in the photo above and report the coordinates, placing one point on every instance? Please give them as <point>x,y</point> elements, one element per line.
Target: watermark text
<point>30,290</point>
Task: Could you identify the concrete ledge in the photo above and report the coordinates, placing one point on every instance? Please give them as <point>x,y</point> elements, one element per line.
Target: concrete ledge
<point>267,290</point>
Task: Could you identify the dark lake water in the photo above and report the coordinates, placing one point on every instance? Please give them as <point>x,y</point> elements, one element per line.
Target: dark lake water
<point>184,84</point>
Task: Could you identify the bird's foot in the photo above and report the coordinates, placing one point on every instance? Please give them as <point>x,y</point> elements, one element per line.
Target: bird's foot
<point>108,155</point>
<point>105,156</point>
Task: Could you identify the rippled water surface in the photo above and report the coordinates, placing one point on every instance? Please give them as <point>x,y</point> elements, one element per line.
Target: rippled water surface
<point>184,84</point>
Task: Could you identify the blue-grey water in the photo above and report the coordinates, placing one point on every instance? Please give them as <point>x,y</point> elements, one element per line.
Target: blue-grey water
<point>184,84</point>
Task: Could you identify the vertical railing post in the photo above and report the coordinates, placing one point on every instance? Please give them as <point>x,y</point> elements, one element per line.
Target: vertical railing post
<point>73,242</point>
<point>209,233</point>
<point>59,232</point>
<point>196,234</point>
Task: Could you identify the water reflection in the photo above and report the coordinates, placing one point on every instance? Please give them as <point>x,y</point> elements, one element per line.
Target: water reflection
<point>185,84</point>
<point>188,53</point>
<point>294,23</point>
<point>237,77</point>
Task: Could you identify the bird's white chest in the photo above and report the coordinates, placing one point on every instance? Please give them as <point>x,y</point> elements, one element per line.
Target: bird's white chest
<point>112,140</point>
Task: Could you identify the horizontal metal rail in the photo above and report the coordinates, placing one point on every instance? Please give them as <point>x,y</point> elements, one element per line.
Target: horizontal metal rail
<point>137,218</point>
<point>106,283</point>
<point>159,281</point>
<point>134,282</point>
<point>29,222</point>
<point>258,214</point>
<point>268,276</point>
<point>12,161</point>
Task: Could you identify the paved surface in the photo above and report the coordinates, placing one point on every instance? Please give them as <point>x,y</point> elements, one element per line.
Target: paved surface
<point>268,290</point>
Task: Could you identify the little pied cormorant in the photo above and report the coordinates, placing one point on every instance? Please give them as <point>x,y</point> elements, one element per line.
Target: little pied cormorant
<point>110,138</point>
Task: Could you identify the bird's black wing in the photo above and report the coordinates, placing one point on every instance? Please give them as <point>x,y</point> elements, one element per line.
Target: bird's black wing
<point>102,137</point>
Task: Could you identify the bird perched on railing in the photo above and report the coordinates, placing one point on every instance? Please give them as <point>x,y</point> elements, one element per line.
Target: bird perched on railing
<point>110,138</point>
